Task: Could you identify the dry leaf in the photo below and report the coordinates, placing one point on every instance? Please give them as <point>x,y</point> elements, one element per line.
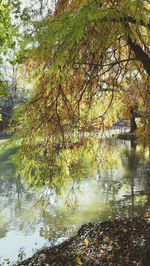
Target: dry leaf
<point>147,215</point>
<point>79,262</point>
<point>106,239</point>
<point>86,242</point>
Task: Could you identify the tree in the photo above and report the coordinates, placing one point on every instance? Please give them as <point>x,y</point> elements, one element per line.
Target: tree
<point>89,62</point>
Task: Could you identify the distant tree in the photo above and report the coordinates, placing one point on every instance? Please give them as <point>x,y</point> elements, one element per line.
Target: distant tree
<point>8,35</point>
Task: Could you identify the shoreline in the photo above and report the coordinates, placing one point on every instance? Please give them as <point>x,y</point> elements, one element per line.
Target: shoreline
<point>110,243</point>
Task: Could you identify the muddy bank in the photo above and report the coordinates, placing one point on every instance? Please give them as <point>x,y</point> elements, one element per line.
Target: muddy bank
<point>118,242</point>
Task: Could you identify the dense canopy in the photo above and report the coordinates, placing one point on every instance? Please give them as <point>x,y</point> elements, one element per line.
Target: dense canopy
<point>89,65</point>
<point>88,58</point>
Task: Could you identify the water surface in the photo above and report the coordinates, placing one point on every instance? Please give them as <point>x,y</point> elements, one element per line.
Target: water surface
<point>33,217</point>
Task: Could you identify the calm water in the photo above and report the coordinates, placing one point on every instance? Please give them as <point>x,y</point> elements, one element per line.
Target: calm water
<point>31,218</point>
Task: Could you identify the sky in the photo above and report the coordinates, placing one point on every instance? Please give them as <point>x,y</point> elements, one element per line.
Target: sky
<point>48,5</point>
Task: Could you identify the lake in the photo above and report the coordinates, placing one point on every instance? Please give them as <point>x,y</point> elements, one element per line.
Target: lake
<point>116,185</point>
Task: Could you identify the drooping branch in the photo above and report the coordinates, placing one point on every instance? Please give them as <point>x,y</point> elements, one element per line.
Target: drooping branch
<point>108,64</point>
<point>140,54</point>
<point>132,20</point>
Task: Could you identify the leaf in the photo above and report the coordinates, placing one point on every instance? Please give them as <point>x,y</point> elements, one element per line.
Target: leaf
<point>106,239</point>
<point>79,262</point>
<point>147,215</point>
<point>110,257</point>
<point>86,242</point>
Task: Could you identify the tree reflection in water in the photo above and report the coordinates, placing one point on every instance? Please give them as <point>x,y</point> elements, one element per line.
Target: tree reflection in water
<point>103,180</point>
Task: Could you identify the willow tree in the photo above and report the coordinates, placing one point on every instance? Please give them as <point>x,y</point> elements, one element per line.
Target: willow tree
<point>89,61</point>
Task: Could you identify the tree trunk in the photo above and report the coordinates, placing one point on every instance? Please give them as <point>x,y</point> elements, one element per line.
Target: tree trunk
<point>133,125</point>
<point>140,54</point>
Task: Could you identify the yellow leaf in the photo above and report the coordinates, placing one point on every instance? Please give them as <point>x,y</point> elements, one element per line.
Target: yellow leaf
<point>86,242</point>
<point>79,262</point>
<point>106,239</point>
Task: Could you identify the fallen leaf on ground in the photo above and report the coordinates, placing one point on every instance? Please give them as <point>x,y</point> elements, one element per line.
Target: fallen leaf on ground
<point>86,242</point>
<point>106,239</point>
<point>79,262</point>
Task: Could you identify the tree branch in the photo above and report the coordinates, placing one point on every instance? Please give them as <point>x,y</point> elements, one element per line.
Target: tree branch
<point>140,54</point>
<point>109,64</point>
<point>130,19</point>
